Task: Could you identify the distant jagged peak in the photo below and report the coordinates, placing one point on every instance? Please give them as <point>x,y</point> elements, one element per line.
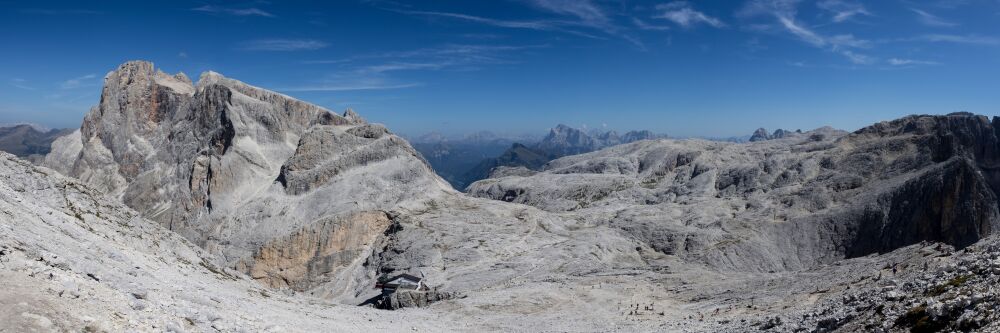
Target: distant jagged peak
<point>563,127</point>
<point>633,136</point>
<point>563,130</point>
<point>761,134</point>
<point>353,117</point>
<point>564,136</point>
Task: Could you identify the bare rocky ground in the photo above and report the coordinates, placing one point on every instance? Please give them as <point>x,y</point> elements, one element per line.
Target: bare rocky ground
<point>73,261</point>
<point>219,206</point>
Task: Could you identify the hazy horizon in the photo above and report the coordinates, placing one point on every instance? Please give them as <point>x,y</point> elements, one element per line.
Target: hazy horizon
<point>707,68</point>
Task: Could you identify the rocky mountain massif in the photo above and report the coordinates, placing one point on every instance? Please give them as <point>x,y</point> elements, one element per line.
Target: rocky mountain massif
<point>29,142</point>
<point>219,206</point>
<point>287,192</point>
<point>783,204</point>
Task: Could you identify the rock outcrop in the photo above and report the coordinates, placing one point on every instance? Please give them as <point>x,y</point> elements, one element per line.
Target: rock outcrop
<point>246,173</point>
<point>413,299</point>
<point>314,255</point>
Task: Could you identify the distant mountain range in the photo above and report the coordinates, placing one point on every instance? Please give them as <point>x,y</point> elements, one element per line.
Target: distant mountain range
<point>451,158</point>
<point>466,159</point>
<point>28,141</point>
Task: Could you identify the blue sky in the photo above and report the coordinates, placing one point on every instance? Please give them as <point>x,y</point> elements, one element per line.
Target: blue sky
<point>685,68</point>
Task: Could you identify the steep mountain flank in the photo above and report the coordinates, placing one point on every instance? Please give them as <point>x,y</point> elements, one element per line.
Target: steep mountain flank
<point>73,260</point>
<point>236,169</point>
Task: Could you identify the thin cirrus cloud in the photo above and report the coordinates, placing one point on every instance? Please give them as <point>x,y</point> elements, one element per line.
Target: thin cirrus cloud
<point>932,20</point>
<point>910,62</point>
<point>350,87</point>
<point>582,18</point>
<point>283,45</point>
<point>957,39</point>
<point>785,12</point>
<point>587,12</point>
<point>251,11</point>
<point>20,84</point>
<point>682,14</point>
<point>375,71</point>
<point>77,82</point>
<point>540,25</point>
<point>450,53</point>
<point>534,25</point>
<point>643,25</point>
<point>843,10</point>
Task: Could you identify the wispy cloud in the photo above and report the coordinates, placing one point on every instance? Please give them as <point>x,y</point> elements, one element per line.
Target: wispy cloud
<point>456,53</point>
<point>646,26</point>
<point>534,25</point>
<point>957,39</point>
<point>20,84</point>
<point>539,25</point>
<point>801,32</point>
<point>283,45</point>
<point>404,66</point>
<point>351,87</point>
<point>910,62</point>
<point>784,11</point>
<point>587,12</point>
<point>931,19</point>
<point>378,71</point>
<point>681,13</point>
<point>843,10</point>
<point>584,18</point>
<point>78,82</point>
<point>778,8</point>
<point>857,58</point>
<point>234,11</point>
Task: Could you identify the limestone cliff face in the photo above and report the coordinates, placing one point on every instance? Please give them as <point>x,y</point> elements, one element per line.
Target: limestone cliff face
<point>243,171</point>
<point>313,255</point>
